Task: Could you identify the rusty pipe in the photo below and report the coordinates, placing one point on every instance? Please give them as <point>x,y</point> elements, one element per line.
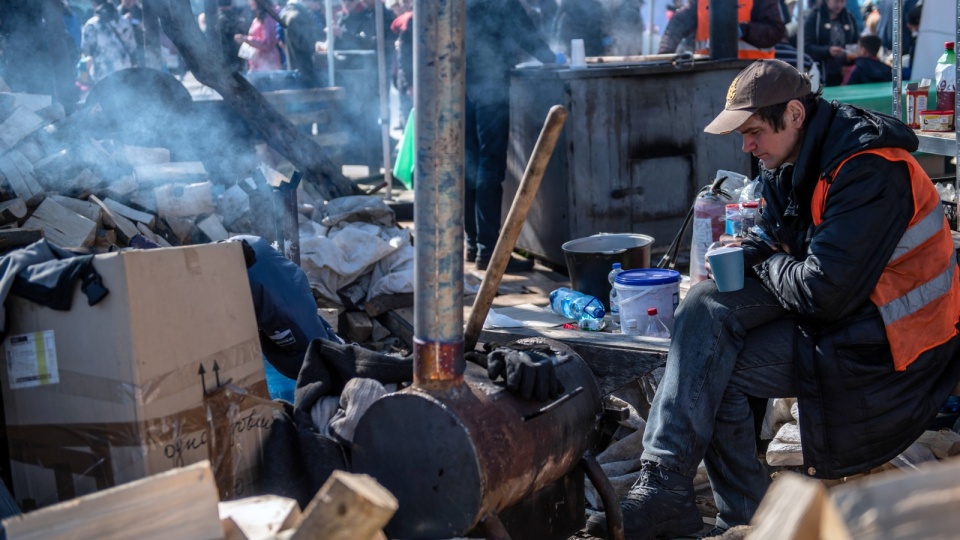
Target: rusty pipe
<point>440,82</point>
<point>529,185</point>
<point>611,503</point>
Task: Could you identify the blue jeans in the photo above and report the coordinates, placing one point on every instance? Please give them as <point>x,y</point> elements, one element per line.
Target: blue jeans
<point>725,347</point>
<point>487,129</point>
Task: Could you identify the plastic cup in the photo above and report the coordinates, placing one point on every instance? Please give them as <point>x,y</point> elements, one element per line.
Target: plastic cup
<point>726,263</point>
<point>578,59</point>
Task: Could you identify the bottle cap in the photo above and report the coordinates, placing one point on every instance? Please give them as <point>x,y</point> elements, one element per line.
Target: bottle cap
<point>651,311</point>
<point>617,265</point>
<point>948,45</point>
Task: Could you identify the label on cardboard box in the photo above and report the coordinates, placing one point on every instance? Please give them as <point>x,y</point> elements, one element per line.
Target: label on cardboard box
<point>32,359</point>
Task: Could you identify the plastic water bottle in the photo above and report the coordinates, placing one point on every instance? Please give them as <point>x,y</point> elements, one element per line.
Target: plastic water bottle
<point>654,327</point>
<point>575,305</point>
<point>614,301</point>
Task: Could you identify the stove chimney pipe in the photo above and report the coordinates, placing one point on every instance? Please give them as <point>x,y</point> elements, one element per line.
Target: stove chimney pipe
<point>439,93</point>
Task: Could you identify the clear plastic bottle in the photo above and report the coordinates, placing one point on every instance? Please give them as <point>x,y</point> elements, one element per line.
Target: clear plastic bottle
<point>575,305</point>
<point>946,78</point>
<point>654,327</point>
<point>614,305</point>
<point>630,327</point>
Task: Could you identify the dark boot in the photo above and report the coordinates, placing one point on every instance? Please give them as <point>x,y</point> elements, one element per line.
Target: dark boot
<point>659,505</point>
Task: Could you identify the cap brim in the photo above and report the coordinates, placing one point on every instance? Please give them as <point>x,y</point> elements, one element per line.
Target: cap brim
<point>728,121</point>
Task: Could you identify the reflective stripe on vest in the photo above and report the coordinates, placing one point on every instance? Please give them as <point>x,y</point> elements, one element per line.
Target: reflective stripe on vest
<point>745,51</point>
<point>918,293</point>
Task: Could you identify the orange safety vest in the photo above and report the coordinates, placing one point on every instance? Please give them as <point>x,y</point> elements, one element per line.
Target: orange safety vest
<point>919,292</point>
<point>702,38</point>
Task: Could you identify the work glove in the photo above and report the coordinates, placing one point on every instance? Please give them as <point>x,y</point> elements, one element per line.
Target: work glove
<point>529,373</point>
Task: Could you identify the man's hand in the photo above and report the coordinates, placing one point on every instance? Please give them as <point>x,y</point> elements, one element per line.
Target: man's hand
<point>528,373</point>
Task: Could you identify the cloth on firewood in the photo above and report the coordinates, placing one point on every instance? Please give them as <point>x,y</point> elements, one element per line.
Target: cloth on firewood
<point>303,455</point>
<point>355,236</point>
<point>46,274</point>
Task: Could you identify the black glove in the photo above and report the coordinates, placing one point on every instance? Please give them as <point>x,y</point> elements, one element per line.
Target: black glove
<point>528,373</point>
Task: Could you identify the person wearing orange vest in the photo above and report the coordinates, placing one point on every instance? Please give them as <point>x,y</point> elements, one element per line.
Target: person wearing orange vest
<point>850,303</point>
<point>760,25</point>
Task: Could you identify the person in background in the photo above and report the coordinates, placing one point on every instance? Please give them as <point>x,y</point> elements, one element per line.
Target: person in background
<point>402,28</point>
<point>133,12</point>
<point>867,68</point>
<point>885,26</point>
<point>230,22</point>
<point>305,24</point>
<point>262,37</point>
<point>827,31</point>
<point>850,302</point>
<point>582,19</point>
<point>499,35</point>
<point>760,26</point>
<point>108,39</point>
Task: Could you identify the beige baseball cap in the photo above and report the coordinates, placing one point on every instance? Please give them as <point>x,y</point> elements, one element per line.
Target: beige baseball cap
<point>761,84</point>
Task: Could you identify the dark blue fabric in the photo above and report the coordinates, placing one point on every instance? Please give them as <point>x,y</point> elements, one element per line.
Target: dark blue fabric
<point>487,128</point>
<point>285,308</point>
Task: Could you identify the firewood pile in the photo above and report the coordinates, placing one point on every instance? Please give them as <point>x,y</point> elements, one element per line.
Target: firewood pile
<point>60,181</point>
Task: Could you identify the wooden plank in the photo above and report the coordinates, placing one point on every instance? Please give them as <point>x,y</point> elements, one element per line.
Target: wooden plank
<point>261,517</point>
<point>62,226</point>
<point>19,124</point>
<point>332,316</point>
<point>176,172</point>
<point>347,507</point>
<point>18,171</point>
<point>124,227</point>
<point>106,238</point>
<point>12,210</point>
<point>86,209</point>
<point>130,213</point>
<point>14,238</point>
<point>181,504</point>
<point>902,506</point>
<point>184,200</point>
<point>213,228</point>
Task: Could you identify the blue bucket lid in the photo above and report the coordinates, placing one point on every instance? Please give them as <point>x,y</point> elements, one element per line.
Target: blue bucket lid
<point>647,276</point>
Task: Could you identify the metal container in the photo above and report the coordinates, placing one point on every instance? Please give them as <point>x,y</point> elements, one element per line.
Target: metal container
<point>453,458</point>
<point>590,259</point>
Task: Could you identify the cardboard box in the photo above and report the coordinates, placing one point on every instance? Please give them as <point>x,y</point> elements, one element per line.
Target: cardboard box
<point>164,372</point>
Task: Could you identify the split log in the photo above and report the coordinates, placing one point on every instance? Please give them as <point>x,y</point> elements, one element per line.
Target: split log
<point>19,124</point>
<point>15,238</point>
<point>307,156</point>
<point>105,239</point>
<point>130,213</point>
<point>212,227</point>
<point>18,171</point>
<point>32,102</point>
<point>797,508</point>
<point>177,200</point>
<point>181,503</point>
<point>61,226</point>
<point>180,227</point>
<point>86,209</point>
<point>178,172</point>
<point>260,517</point>
<point>141,155</point>
<point>347,507</point>
<point>124,227</point>
<point>358,326</point>
<point>234,203</point>
<point>12,210</point>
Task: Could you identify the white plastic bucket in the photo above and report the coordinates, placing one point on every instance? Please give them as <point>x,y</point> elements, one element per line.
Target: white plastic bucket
<point>640,289</point>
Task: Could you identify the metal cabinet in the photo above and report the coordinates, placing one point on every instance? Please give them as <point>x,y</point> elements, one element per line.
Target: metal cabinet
<point>632,155</point>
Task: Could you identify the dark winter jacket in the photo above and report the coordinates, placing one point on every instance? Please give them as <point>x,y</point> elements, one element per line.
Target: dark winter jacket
<point>856,412</point>
<point>817,40</point>
<point>499,35</point>
<point>867,69</point>
<point>765,29</point>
